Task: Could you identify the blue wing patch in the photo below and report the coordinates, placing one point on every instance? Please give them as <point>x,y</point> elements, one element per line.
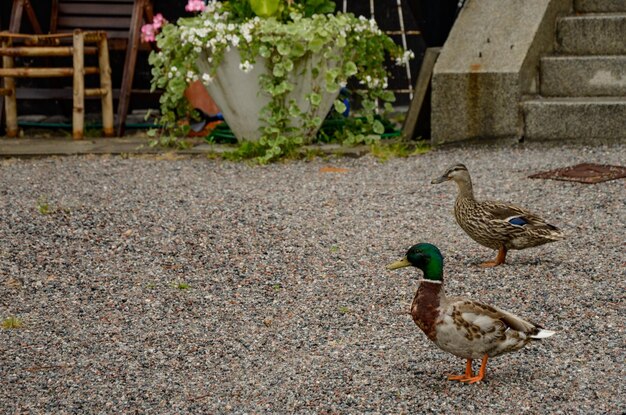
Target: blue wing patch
<point>517,221</point>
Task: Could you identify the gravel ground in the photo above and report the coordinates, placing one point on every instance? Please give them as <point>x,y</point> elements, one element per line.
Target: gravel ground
<point>201,286</point>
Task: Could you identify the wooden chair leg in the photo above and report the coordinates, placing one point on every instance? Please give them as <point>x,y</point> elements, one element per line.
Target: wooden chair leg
<point>2,106</point>
<point>106,85</point>
<point>78,115</point>
<point>10,101</point>
<point>2,117</point>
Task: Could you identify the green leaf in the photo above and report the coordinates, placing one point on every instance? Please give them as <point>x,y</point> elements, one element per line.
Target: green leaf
<point>316,44</point>
<point>350,68</point>
<point>294,110</point>
<point>330,76</point>
<point>315,99</point>
<point>278,71</point>
<point>297,50</point>
<point>332,86</point>
<point>340,106</point>
<point>378,127</point>
<point>368,105</point>
<point>284,47</point>
<point>264,8</point>
<point>313,7</point>
<point>264,51</point>
<point>288,65</point>
<point>387,96</point>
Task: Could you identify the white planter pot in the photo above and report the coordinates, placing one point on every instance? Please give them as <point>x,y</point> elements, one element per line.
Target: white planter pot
<point>240,99</point>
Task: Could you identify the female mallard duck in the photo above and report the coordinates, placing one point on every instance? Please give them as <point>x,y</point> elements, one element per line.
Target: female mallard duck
<point>461,326</point>
<point>496,225</point>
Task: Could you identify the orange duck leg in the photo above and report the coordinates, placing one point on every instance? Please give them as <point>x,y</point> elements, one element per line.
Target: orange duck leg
<point>498,261</point>
<point>468,373</point>
<point>481,372</point>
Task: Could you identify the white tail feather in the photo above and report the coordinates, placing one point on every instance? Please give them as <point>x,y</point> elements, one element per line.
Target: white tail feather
<point>542,334</point>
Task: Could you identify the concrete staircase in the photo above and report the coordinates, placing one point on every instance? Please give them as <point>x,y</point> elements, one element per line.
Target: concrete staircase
<point>583,84</point>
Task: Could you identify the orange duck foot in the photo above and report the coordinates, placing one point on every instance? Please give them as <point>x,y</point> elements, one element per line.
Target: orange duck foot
<point>467,375</point>
<point>473,379</point>
<point>498,261</point>
<point>481,372</point>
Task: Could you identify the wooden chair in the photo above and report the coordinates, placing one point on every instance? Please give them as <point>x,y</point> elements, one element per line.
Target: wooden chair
<point>120,19</point>
<point>54,46</point>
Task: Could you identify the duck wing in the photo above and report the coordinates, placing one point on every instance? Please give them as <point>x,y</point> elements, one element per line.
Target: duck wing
<point>471,329</point>
<point>491,319</point>
<point>517,218</point>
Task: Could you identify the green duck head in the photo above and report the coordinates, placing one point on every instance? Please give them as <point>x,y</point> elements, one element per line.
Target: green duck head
<point>458,173</point>
<point>426,257</point>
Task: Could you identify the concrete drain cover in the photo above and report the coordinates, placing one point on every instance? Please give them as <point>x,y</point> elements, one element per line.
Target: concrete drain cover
<point>584,173</point>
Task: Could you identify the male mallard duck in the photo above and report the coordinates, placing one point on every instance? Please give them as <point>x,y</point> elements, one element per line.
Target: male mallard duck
<point>496,225</point>
<point>461,326</point>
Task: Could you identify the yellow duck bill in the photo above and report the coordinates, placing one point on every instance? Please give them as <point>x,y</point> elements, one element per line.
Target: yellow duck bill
<point>404,262</point>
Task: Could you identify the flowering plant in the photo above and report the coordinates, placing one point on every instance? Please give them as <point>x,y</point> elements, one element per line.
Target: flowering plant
<point>281,33</point>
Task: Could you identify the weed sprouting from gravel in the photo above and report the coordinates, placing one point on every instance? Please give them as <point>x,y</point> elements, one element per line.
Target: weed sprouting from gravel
<point>43,206</point>
<point>344,310</point>
<point>12,322</point>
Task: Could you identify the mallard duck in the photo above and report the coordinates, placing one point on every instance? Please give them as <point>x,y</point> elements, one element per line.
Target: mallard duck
<point>466,328</point>
<point>496,225</point>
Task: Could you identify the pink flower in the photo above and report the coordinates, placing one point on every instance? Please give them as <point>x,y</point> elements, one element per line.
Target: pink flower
<point>195,6</point>
<point>158,21</point>
<point>148,33</point>
<point>150,30</point>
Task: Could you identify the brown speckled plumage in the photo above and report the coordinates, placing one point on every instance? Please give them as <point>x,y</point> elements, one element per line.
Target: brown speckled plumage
<point>485,222</point>
<point>493,224</point>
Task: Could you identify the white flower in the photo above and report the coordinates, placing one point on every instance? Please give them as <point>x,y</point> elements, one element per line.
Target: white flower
<point>405,58</point>
<point>245,66</point>
<point>206,78</point>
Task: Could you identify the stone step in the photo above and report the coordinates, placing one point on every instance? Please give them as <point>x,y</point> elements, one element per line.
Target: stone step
<point>592,34</point>
<point>599,6</point>
<point>580,76</point>
<point>575,118</point>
